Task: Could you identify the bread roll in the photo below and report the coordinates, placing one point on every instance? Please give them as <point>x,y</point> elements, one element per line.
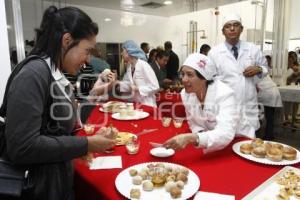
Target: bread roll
<point>246,148</point>
<point>259,152</point>
<point>257,142</point>
<point>289,153</point>
<point>274,154</point>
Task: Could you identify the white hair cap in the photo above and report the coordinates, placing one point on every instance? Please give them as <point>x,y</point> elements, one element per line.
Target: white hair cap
<point>231,17</point>
<point>201,64</point>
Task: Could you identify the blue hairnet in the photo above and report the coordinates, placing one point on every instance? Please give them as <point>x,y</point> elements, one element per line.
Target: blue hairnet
<point>134,50</point>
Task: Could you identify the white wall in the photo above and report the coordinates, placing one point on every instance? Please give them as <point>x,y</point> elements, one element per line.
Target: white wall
<point>4,51</point>
<point>294,23</point>
<point>156,30</point>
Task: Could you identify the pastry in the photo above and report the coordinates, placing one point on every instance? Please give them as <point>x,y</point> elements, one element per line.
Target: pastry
<point>274,154</point>
<point>148,186</point>
<point>137,180</point>
<point>277,145</point>
<point>184,171</point>
<point>133,172</point>
<point>289,153</point>
<point>180,184</point>
<point>135,193</point>
<point>259,152</point>
<point>257,142</point>
<point>182,177</point>
<point>169,185</point>
<point>175,192</point>
<point>246,148</point>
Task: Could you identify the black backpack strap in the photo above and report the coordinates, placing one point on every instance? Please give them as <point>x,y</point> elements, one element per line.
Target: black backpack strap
<point>16,70</point>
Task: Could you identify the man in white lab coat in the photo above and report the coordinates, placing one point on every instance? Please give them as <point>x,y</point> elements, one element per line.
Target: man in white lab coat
<point>240,65</point>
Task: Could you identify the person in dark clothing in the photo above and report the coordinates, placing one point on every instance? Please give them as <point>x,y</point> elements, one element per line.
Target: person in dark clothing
<point>152,56</point>
<point>204,49</point>
<point>173,63</point>
<point>41,113</point>
<point>145,47</point>
<point>158,66</point>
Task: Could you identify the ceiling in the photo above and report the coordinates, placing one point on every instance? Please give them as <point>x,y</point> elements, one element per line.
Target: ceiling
<point>178,6</point>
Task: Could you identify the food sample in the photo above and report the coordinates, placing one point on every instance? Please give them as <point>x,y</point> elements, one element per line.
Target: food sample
<point>274,154</point>
<point>135,193</point>
<point>133,172</point>
<point>148,186</point>
<point>175,192</point>
<point>273,151</point>
<point>246,148</point>
<point>289,153</point>
<point>257,142</point>
<point>137,180</point>
<point>289,185</point>
<point>259,152</point>
<point>157,175</point>
<point>169,185</point>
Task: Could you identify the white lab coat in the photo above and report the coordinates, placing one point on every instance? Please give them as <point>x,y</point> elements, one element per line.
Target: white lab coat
<point>145,79</point>
<point>268,93</point>
<point>218,118</point>
<point>230,71</point>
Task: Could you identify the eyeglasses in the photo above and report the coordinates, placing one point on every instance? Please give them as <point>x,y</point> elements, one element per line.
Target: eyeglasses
<point>234,25</point>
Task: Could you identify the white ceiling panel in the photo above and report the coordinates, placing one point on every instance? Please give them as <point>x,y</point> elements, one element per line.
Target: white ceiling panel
<point>178,6</point>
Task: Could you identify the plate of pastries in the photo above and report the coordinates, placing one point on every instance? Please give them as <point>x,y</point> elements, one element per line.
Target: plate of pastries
<point>284,185</point>
<point>157,180</point>
<point>266,152</point>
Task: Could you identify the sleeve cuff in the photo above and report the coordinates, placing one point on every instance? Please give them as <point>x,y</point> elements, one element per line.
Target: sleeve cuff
<point>203,138</point>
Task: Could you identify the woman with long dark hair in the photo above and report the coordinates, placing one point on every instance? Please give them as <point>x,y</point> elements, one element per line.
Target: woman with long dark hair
<point>41,113</point>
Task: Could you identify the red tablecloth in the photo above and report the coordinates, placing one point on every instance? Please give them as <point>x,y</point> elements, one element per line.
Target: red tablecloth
<point>170,104</point>
<point>221,172</point>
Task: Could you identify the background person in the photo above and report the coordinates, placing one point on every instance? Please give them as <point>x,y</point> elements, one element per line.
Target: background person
<point>240,65</point>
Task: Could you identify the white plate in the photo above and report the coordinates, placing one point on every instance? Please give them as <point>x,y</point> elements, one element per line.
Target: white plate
<point>162,152</point>
<point>236,149</point>
<point>124,184</point>
<point>138,115</point>
<point>269,189</point>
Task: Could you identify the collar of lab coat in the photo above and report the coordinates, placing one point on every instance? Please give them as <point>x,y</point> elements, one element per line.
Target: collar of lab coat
<point>243,47</point>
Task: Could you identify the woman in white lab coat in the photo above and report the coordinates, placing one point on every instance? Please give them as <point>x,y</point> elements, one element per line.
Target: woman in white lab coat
<point>210,107</point>
<point>139,81</point>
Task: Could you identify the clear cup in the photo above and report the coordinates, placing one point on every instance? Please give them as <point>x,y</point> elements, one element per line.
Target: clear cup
<point>89,128</point>
<point>166,121</point>
<point>123,111</point>
<point>132,146</point>
<point>177,122</point>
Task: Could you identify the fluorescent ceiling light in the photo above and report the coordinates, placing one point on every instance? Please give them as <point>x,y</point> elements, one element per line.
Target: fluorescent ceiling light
<point>107,19</point>
<point>168,2</point>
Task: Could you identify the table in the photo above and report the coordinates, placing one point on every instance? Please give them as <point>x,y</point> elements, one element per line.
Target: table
<point>290,93</point>
<point>221,172</point>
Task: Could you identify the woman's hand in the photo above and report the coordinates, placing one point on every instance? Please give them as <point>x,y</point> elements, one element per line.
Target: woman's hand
<point>108,132</point>
<point>181,141</point>
<point>98,143</point>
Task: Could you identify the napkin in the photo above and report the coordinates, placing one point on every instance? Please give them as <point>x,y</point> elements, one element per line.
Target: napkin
<point>106,162</point>
<point>212,196</point>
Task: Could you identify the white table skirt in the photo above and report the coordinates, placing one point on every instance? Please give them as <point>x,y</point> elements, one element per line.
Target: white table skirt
<point>290,93</point>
